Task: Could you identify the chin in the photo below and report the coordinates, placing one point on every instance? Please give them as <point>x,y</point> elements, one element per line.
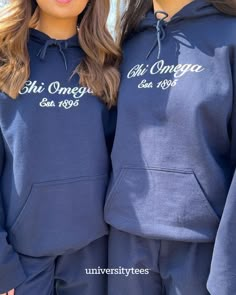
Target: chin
<point>62,8</point>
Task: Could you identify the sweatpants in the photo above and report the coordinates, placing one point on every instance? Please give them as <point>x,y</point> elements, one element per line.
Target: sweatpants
<point>66,274</point>
<point>157,267</point>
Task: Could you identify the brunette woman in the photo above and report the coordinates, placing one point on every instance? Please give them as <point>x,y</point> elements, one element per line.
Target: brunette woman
<point>174,151</point>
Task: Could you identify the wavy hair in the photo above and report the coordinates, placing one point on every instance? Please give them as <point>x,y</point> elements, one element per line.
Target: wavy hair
<point>137,9</point>
<point>99,68</point>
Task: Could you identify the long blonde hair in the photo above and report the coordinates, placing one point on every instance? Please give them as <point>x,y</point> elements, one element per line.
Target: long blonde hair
<point>99,68</point>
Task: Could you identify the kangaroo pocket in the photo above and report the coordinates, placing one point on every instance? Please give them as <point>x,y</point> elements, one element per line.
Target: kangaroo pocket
<point>60,216</point>
<point>161,203</point>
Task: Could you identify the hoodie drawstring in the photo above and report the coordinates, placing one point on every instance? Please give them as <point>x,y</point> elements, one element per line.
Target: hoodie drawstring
<point>42,52</point>
<point>160,27</point>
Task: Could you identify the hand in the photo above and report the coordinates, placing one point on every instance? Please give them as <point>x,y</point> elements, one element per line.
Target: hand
<point>12,292</point>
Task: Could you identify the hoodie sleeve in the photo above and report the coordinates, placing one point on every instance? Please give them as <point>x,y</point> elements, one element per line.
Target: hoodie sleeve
<point>222,278</point>
<point>11,271</point>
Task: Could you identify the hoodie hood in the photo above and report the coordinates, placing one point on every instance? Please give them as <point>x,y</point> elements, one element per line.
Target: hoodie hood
<point>48,42</point>
<point>195,9</point>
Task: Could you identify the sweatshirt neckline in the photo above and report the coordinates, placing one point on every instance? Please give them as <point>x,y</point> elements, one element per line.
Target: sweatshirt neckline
<point>42,38</point>
<point>194,9</point>
<point>47,42</point>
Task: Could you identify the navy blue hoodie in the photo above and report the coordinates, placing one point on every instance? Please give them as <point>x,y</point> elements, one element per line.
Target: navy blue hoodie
<point>174,149</point>
<point>54,160</point>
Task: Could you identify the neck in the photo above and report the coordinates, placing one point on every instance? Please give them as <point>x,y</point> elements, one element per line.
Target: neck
<point>169,6</point>
<point>60,29</point>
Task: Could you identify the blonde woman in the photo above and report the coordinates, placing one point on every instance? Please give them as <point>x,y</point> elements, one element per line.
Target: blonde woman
<point>54,145</point>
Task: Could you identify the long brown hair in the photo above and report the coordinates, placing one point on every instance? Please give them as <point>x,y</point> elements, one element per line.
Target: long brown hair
<point>137,9</point>
<point>99,68</point>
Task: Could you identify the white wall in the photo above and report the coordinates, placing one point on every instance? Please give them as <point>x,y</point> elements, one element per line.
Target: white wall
<point>115,4</point>
<point>2,2</point>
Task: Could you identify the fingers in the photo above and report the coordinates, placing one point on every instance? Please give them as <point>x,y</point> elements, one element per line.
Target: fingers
<point>12,292</point>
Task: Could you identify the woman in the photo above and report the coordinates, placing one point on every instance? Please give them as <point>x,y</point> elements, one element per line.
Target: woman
<point>174,150</point>
<point>55,140</point>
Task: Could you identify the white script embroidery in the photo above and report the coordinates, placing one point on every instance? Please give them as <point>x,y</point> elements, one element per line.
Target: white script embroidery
<point>160,68</point>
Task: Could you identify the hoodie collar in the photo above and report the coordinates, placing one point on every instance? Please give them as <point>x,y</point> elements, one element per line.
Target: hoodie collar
<point>46,42</point>
<point>195,9</point>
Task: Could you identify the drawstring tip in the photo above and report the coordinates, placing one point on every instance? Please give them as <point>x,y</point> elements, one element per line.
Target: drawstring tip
<point>159,53</point>
<point>149,53</point>
<point>153,47</point>
<point>39,53</point>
